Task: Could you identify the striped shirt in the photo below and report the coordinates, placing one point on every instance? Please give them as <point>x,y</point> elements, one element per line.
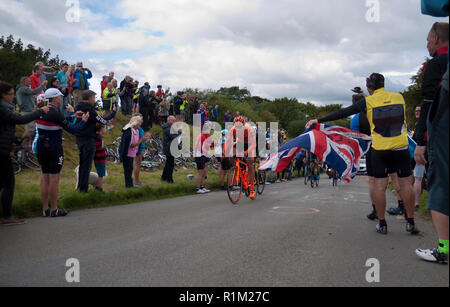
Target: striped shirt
<point>100,151</point>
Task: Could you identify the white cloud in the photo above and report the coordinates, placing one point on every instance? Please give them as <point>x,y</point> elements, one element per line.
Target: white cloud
<point>311,50</point>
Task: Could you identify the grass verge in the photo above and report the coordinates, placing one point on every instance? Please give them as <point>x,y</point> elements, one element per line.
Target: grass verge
<point>27,200</point>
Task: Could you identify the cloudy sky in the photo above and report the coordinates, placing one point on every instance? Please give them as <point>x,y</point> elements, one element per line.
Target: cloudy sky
<point>313,50</point>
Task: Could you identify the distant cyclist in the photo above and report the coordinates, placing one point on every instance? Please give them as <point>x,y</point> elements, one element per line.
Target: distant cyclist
<point>242,136</point>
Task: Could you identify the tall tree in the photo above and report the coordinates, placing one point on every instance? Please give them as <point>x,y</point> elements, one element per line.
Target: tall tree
<point>18,61</point>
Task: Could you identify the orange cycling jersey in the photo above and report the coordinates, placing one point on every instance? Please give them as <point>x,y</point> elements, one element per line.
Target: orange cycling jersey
<point>240,135</point>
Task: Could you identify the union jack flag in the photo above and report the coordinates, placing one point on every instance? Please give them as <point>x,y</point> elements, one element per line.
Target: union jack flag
<point>338,147</point>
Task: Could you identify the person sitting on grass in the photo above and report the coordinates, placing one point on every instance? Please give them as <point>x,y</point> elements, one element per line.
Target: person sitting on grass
<point>100,156</point>
<point>129,147</point>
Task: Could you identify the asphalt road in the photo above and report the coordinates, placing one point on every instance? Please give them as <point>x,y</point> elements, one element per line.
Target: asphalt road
<point>291,236</point>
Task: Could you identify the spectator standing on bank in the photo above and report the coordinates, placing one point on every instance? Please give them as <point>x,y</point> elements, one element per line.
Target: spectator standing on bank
<point>8,121</point>
<point>168,137</point>
<point>434,119</point>
<point>50,152</point>
<point>164,111</point>
<point>129,147</point>
<point>27,105</point>
<point>139,157</point>
<point>81,75</point>
<point>126,95</point>
<point>86,137</point>
<point>100,156</point>
<point>109,98</point>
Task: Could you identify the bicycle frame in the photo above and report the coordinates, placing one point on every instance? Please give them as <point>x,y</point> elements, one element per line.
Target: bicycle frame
<point>241,171</point>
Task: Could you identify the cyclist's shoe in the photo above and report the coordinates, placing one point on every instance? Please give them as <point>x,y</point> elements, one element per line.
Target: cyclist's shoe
<point>382,229</point>
<point>252,193</point>
<point>59,213</point>
<point>432,255</point>
<point>46,213</point>
<point>396,211</point>
<point>412,228</point>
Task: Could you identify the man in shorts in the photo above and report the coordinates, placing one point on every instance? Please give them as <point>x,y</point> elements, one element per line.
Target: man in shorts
<point>386,112</point>
<point>50,151</point>
<point>201,159</point>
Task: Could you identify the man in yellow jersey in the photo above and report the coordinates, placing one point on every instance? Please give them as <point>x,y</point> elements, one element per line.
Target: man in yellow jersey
<point>386,112</point>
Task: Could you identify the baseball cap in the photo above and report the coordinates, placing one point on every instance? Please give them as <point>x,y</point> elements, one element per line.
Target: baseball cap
<point>357,90</point>
<point>52,93</point>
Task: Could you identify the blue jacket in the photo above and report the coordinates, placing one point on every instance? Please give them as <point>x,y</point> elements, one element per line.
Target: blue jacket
<point>86,76</point>
<point>354,125</point>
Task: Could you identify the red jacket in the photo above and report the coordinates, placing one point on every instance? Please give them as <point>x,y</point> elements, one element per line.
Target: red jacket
<point>35,81</point>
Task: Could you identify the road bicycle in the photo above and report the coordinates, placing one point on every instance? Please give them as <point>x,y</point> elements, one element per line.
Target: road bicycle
<point>237,181</point>
<point>333,176</point>
<point>23,157</point>
<point>312,175</point>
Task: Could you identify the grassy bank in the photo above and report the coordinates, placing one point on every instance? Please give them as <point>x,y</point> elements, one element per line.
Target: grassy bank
<point>27,199</point>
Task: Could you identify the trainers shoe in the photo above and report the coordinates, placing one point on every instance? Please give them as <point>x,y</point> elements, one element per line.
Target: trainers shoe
<point>46,213</point>
<point>59,213</point>
<point>12,221</point>
<point>268,183</point>
<point>382,229</point>
<point>432,255</point>
<point>396,211</point>
<point>411,228</point>
<point>201,191</point>
<point>206,190</point>
<point>373,216</point>
<point>278,181</point>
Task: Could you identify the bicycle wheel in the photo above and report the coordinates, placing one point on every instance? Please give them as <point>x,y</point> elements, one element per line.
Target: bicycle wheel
<point>31,161</point>
<point>16,166</point>
<point>234,186</point>
<point>111,156</point>
<point>261,175</point>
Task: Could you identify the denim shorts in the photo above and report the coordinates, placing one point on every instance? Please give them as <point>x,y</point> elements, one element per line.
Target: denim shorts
<point>101,169</point>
